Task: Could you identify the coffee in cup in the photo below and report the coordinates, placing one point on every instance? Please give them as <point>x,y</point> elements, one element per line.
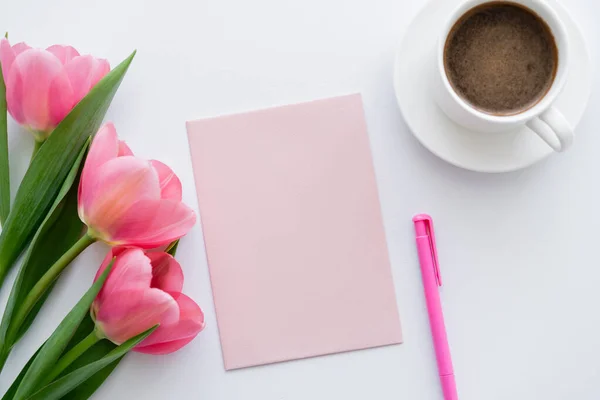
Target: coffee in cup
<point>501,65</point>
<point>501,58</point>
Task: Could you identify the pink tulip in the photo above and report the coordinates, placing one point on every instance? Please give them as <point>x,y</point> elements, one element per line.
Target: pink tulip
<point>42,86</point>
<point>144,290</point>
<point>127,201</point>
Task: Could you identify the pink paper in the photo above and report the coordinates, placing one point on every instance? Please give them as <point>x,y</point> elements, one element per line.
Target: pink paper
<point>293,231</point>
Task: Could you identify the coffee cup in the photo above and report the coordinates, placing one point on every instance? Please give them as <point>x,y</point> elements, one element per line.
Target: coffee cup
<point>501,65</point>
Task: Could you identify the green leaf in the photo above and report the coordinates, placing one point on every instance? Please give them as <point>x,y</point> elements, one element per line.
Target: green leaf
<point>95,353</point>
<point>10,393</point>
<point>51,165</point>
<point>88,388</point>
<point>59,231</point>
<point>4,167</point>
<point>60,387</point>
<point>56,343</point>
<point>172,248</point>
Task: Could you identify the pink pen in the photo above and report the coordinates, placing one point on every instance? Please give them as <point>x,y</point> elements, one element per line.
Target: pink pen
<point>430,270</point>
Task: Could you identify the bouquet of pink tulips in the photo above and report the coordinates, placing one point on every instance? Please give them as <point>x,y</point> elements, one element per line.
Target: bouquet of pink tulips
<point>83,186</point>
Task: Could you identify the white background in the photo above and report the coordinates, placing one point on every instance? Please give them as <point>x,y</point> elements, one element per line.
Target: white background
<point>518,251</point>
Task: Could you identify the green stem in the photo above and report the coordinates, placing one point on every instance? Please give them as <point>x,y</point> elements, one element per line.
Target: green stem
<point>43,284</point>
<point>72,355</point>
<point>38,144</point>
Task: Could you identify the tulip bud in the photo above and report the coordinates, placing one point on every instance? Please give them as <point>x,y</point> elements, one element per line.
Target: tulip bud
<point>43,86</point>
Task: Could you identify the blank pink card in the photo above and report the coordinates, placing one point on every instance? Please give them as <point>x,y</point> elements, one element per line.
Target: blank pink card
<point>293,231</point>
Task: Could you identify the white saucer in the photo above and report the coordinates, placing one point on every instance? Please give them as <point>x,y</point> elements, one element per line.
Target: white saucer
<point>415,64</point>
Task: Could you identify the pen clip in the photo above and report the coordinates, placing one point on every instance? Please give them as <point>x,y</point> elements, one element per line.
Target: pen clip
<point>426,219</point>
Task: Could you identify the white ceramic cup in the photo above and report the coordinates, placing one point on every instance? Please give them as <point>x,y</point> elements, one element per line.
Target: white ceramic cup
<point>543,119</point>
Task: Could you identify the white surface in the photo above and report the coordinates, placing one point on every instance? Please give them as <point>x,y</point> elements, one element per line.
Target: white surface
<point>420,88</point>
<point>517,251</point>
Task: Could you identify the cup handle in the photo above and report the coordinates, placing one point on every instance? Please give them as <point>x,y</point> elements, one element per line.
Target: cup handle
<point>553,128</point>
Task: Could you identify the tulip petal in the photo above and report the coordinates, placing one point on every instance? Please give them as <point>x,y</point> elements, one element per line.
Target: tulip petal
<point>63,53</point>
<point>7,57</point>
<point>126,313</point>
<point>20,47</point>
<point>152,223</point>
<point>60,101</point>
<point>8,54</point>
<point>170,185</point>
<point>113,252</point>
<point>104,147</point>
<point>38,90</point>
<point>110,193</point>
<point>166,272</point>
<point>13,97</point>
<point>132,271</point>
<point>163,348</point>
<point>124,150</point>
<point>169,338</point>
<point>84,72</point>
